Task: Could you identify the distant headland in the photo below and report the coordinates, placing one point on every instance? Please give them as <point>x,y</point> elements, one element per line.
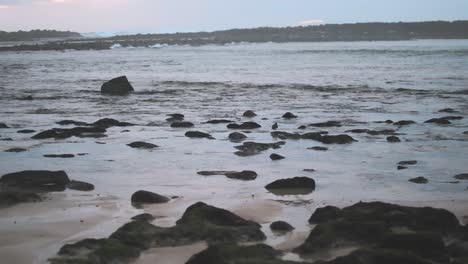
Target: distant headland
<point>36,34</point>
<point>317,33</point>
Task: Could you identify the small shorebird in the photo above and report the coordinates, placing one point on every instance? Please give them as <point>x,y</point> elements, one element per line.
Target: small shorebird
<point>274,126</point>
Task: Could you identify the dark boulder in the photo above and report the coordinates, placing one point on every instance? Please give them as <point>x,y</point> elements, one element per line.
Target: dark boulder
<point>317,136</point>
<point>110,122</point>
<point>381,132</point>
<point>35,179</point>
<point>117,86</point>
<point>285,135</point>
<point>253,148</point>
<point>296,185</point>
<point>404,123</point>
<point>318,148</point>
<point>281,226</point>
<point>60,133</point>
<point>181,124</point>
<point>448,110</point>
<point>3,125</point>
<point>198,134</point>
<point>10,198</point>
<point>440,121</point>
<point>337,139</point>
<point>237,136</point>
<point>408,162</point>
<point>175,117</point>
<point>289,115</point>
<point>80,186</point>
<point>26,98</point>
<point>274,126</point>
<point>452,117</point>
<point>357,131</point>
<point>463,176</point>
<point>393,139</point>
<point>378,256</point>
<point>142,145</point>
<point>275,156</point>
<point>72,122</point>
<point>245,175</point>
<point>400,167</point>
<point>145,217</point>
<point>235,254</point>
<point>25,131</point>
<point>245,125</point>
<point>249,113</point>
<point>419,180</point>
<point>145,197</point>
<point>219,121</point>
<point>324,214</point>
<point>16,150</point>
<point>64,156</point>
<point>326,124</point>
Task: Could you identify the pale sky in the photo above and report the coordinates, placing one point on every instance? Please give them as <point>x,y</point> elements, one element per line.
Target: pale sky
<point>209,15</point>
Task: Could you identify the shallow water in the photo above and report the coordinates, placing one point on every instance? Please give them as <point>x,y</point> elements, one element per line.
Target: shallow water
<point>353,82</point>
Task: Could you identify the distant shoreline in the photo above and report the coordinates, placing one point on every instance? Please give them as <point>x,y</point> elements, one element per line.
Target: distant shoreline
<point>320,33</point>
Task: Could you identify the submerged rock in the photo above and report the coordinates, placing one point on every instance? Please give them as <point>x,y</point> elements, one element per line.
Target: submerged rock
<point>337,139</point>
<point>408,162</point>
<point>382,132</point>
<point>249,113</point>
<point>393,139</point>
<point>117,86</point>
<point>198,134</point>
<point>237,136</point>
<point>175,117</point>
<point>59,156</point>
<point>144,217</point>
<point>25,131</point>
<point>253,148</point>
<point>274,126</point>
<point>245,175</point>
<point>357,131</point>
<point>72,122</point>
<point>400,167</point>
<point>80,186</point>
<point>379,225</point>
<point>145,197</point>
<point>142,145</point>
<point>219,121</point>
<point>235,254</point>
<point>281,226</point>
<point>463,176</point>
<point>440,121</point>
<point>419,180</point>
<point>40,179</point>
<point>61,133</point>
<point>275,156</point>
<point>16,150</point>
<point>245,125</point>
<point>289,115</point>
<point>318,148</point>
<point>3,125</point>
<point>182,124</point>
<point>10,198</point>
<point>110,122</point>
<point>326,124</point>
<point>296,185</point>
<point>285,135</point>
<point>404,123</point>
<point>448,110</point>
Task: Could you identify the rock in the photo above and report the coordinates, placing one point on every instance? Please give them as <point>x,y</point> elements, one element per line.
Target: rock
<point>285,135</point>
<point>145,197</point>
<point>245,125</point>
<point>274,126</point>
<point>296,185</point>
<point>289,115</point>
<point>338,139</point>
<point>419,180</point>
<point>144,217</point>
<point>142,145</point>
<point>388,121</point>
<point>6,139</point>
<point>219,121</point>
<point>235,254</point>
<point>80,186</point>
<point>448,110</point>
<point>27,98</point>
<point>381,132</point>
<point>404,123</point>
<point>117,86</point>
<point>408,162</point>
<point>243,175</point>
<point>393,139</point>
<point>275,156</point>
<point>249,113</point>
<point>326,124</point>
<point>302,127</point>
<point>463,176</point>
<point>440,121</point>
<point>373,224</point>
<point>378,256</point>
<point>72,122</point>
<point>357,131</point>
<point>3,125</point>
<point>308,170</point>
<point>253,148</point>
<point>16,150</point>
<point>452,117</point>
<point>25,131</point>
<point>60,133</point>
<point>401,167</point>
<point>312,135</point>
<point>59,156</point>
<point>175,117</point>
<point>10,198</point>
<point>178,124</point>
<point>46,180</point>
<point>198,134</point>
<point>237,136</point>
<point>465,132</point>
<point>318,148</point>
<point>281,226</point>
<point>110,122</point>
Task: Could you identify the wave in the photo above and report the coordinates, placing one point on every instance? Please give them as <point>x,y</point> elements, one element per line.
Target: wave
<point>405,52</point>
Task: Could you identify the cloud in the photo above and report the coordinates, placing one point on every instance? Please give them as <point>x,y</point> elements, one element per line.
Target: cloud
<point>4,6</point>
<point>311,22</point>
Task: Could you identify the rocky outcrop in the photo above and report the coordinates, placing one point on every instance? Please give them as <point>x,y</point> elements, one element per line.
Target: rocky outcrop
<point>182,124</point>
<point>236,137</point>
<point>326,124</point>
<point>61,133</point>
<point>117,86</point>
<point>393,139</point>
<point>253,148</point>
<point>337,139</point>
<point>10,198</point>
<point>198,134</point>
<point>245,125</point>
<point>249,113</point>
<point>142,145</point>
<point>404,123</point>
<point>145,197</point>
<point>296,185</point>
<point>281,226</point>
<point>40,180</point>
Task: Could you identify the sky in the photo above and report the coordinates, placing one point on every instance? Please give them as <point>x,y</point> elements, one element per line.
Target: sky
<point>161,16</point>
